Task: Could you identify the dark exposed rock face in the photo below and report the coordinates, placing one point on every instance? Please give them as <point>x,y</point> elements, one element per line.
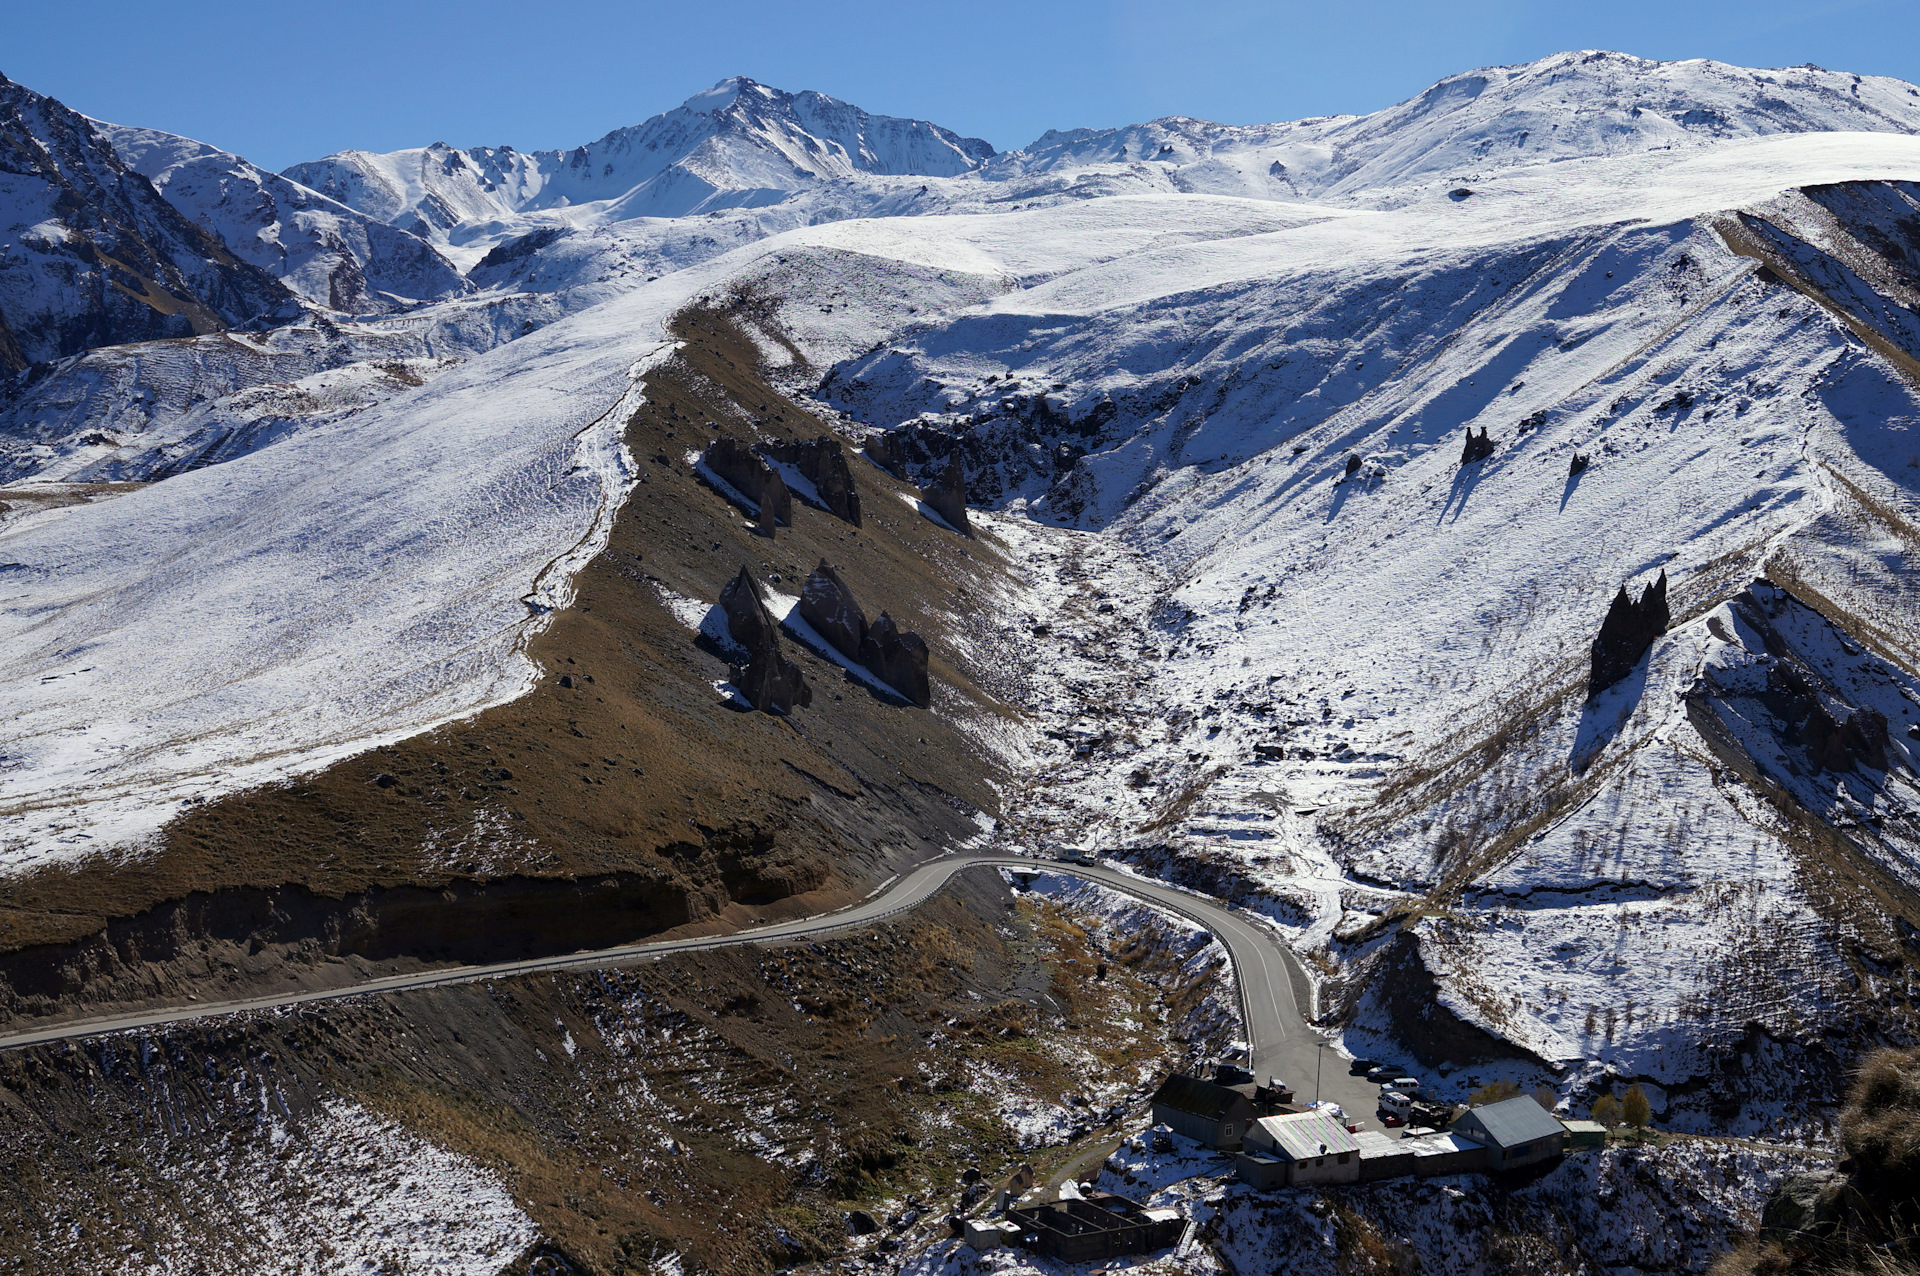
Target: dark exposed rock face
<point>885,451</point>
<point>824,463</point>
<point>898,659</point>
<point>1860,738</point>
<point>829,606</point>
<point>1835,737</point>
<point>776,504</point>
<point>738,465</point>
<point>948,498</point>
<point>1479,448</point>
<point>96,256</point>
<point>1626,633</point>
<point>1578,465</point>
<point>768,681</point>
<point>1353,464</point>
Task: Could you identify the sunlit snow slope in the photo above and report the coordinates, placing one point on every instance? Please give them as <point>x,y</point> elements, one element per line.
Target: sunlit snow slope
<point>1636,883</point>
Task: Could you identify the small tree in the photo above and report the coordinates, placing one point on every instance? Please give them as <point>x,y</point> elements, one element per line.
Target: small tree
<point>1606,1110</point>
<point>1636,1109</point>
<point>1546,1096</point>
<point>1494,1092</point>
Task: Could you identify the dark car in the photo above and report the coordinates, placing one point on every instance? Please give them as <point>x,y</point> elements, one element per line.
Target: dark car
<point>1361,1067</point>
<point>1384,1072</point>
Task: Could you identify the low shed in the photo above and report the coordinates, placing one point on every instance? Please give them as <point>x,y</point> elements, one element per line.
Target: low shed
<point>1585,1134</point>
<point>1382,1157</point>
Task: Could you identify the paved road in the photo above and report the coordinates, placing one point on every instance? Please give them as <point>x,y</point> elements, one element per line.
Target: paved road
<point>1271,983</point>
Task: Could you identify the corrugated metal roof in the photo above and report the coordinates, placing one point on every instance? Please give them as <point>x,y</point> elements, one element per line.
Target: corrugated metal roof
<point>1184,1093</point>
<point>1309,1135</point>
<point>1515,1121</point>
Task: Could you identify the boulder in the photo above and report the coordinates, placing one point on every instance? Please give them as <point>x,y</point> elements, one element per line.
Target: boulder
<point>767,680</point>
<point>824,463</point>
<point>1804,1208</point>
<point>948,497</point>
<point>898,659</point>
<point>830,607</point>
<point>1479,448</point>
<point>1626,633</point>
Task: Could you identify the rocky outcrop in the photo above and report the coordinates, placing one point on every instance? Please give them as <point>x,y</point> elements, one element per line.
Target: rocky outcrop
<point>747,472</point>
<point>948,497</point>
<point>823,462</point>
<point>898,659</point>
<point>776,503</point>
<point>1626,633</point>
<point>885,451</point>
<point>1479,447</point>
<point>830,607</point>
<point>1860,739</point>
<point>894,656</point>
<point>768,681</point>
<point>1857,1216</point>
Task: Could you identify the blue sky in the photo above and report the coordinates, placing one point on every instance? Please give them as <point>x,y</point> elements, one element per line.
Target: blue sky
<point>283,82</point>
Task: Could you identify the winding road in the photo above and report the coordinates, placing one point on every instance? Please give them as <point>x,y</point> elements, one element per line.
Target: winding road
<point>1272,985</point>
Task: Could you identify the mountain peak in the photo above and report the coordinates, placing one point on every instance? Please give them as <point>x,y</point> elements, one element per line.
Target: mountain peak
<point>728,91</point>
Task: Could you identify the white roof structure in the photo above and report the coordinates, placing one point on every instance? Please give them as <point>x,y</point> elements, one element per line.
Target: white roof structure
<point>1306,1135</point>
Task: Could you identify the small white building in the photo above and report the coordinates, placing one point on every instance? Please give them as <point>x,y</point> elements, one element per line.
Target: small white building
<point>989,1233</point>
<point>1302,1148</point>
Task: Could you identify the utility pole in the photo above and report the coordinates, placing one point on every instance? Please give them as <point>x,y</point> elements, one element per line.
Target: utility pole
<point>1318,1060</point>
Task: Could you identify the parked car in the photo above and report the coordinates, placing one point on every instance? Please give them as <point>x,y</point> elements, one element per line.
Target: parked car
<point>1406,1085</point>
<point>1385,1072</point>
<point>1361,1067</point>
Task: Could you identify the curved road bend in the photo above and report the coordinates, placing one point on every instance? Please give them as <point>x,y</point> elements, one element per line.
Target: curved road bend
<point>1282,1043</point>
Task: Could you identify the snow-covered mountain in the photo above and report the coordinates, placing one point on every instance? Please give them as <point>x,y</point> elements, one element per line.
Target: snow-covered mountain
<point>764,161</point>
<point>1216,383</point>
<point>738,145</point>
<point>328,253</point>
<point>1568,106</point>
<point>91,255</point>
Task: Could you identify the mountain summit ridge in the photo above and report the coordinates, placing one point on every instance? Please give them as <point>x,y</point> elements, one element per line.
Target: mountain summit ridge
<point>739,144</point>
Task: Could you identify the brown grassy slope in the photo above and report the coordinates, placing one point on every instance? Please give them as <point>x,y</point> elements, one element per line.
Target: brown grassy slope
<point>794,1083</point>
<point>706,816</point>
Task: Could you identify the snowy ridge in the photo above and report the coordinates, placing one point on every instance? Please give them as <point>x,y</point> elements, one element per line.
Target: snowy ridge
<point>737,145</point>
<point>323,250</point>
<point>95,256</point>
<point>1577,105</point>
